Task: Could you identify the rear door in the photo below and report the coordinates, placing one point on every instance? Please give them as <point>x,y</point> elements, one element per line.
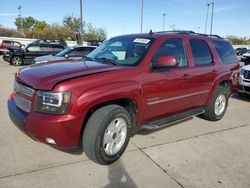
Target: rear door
<point>203,71</point>
<point>55,48</point>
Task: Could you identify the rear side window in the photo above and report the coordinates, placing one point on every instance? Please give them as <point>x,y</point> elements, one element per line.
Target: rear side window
<point>201,52</point>
<point>225,51</point>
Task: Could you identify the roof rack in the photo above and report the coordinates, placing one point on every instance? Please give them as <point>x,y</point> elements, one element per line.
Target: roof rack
<point>188,33</point>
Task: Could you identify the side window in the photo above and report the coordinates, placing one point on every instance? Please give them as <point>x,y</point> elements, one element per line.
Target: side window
<point>225,51</point>
<point>172,47</point>
<point>201,52</point>
<point>77,52</point>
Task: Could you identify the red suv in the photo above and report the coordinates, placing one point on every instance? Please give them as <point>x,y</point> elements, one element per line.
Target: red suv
<point>131,82</point>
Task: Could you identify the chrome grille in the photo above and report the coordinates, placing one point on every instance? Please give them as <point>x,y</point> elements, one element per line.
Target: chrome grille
<point>247,74</point>
<point>20,88</point>
<point>23,104</point>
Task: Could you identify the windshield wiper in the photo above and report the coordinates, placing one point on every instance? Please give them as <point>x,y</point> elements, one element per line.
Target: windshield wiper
<point>106,60</point>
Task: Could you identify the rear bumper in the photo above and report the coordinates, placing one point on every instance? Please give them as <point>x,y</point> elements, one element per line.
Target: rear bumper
<point>65,130</point>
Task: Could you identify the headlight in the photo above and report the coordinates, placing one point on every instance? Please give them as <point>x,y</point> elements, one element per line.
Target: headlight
<point>52,102</point>
<point>241,71</point>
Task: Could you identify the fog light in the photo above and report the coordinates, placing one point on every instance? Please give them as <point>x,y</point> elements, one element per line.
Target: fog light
<point>50,141</point>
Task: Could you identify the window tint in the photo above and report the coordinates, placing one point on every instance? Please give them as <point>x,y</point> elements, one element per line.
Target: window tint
<point>7,42</point>
<point>225,51</point>
<point>172,47</point>
<point>201,52</point>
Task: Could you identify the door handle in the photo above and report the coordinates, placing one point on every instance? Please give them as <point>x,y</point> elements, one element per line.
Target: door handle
<point>186,76</point>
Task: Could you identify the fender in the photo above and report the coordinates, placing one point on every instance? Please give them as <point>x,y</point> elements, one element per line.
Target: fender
<point>110,92</point>
<point>224,76</point>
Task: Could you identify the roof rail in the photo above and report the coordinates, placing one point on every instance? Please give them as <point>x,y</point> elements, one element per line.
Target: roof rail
<point>189,33</point>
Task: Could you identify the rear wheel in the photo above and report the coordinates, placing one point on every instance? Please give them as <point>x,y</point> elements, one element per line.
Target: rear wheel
<point>218,105</point>
<point>16,60</point>
<point>107,134</point>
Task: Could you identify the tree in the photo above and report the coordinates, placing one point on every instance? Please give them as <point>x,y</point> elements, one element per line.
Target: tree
<point>72,23</point>
<point>99,34</point>
<point>27,23</point>
<point>238,40</point>
<point>33,28</point>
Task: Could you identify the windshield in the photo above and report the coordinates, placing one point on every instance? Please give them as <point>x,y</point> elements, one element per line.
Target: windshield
<point>124,50</point>
<point>63,52</point>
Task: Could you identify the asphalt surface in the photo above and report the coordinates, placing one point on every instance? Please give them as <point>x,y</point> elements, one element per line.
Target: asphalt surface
<point>194,153</point>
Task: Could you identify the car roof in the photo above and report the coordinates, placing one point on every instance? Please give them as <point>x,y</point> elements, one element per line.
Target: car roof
<point>181,33</point>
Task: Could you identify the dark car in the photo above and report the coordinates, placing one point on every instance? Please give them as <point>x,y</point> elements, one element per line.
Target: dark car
<point>240,51</point>
<point>35,49</point>
<point>75,52</point>
<point>6,44</point>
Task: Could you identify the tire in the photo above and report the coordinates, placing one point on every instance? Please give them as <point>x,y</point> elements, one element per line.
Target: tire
<point>218,105</point>
<point>104,142</point>
<point>16,60</point>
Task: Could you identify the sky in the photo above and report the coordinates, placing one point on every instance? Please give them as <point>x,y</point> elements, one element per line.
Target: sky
<point>231,17</point>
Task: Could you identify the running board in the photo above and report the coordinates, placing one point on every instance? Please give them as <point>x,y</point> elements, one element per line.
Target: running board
<point>172,119</point>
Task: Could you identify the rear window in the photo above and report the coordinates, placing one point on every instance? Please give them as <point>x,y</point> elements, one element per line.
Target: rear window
<point>225,51</point>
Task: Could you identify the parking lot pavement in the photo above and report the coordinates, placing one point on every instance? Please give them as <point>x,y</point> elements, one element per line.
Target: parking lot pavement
<point>194,153</point>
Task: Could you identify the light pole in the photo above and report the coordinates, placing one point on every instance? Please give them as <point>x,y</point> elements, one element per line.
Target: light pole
<point>81,24</point>
<point>142,4</point>
<point>20,16</point>
<point>212,17</point>
<point>163,24</point>
<point>207,17</point>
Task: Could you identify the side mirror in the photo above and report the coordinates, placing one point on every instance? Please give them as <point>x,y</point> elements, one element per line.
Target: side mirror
<point>66,55</point>
<point>165,62</point>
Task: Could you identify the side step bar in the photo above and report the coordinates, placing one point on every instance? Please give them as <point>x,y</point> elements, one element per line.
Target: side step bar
<point>172,119</point>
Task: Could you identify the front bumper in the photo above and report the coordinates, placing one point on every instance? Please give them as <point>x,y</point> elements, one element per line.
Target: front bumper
<point>7,58</point>
<point>65,130</point>
<point>244,85</point>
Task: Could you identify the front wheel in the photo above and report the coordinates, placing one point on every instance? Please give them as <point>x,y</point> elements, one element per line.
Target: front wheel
<point>17,61</point>
<point>107,134</point>
<point>217,107</point>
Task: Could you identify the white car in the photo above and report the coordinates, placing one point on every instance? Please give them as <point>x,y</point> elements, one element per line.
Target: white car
<point>244,81</point>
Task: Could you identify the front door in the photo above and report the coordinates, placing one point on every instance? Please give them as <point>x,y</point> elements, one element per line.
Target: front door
<point>168,91</point>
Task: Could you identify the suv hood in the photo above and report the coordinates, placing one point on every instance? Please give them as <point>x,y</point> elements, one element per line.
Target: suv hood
<point>46,76</point>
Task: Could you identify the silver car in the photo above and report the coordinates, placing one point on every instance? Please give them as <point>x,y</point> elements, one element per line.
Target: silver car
<point>75,52</point>
<point>244,81</point>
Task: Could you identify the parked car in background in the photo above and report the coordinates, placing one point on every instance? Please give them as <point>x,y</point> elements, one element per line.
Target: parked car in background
<point>35,49</point>
<point>240,51</point>
<point>6,44</point>
<point>244,81</point>
<point>48,41</point>
<point>75,52</point>
<point>128,83</point>
<point>246,57</point>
